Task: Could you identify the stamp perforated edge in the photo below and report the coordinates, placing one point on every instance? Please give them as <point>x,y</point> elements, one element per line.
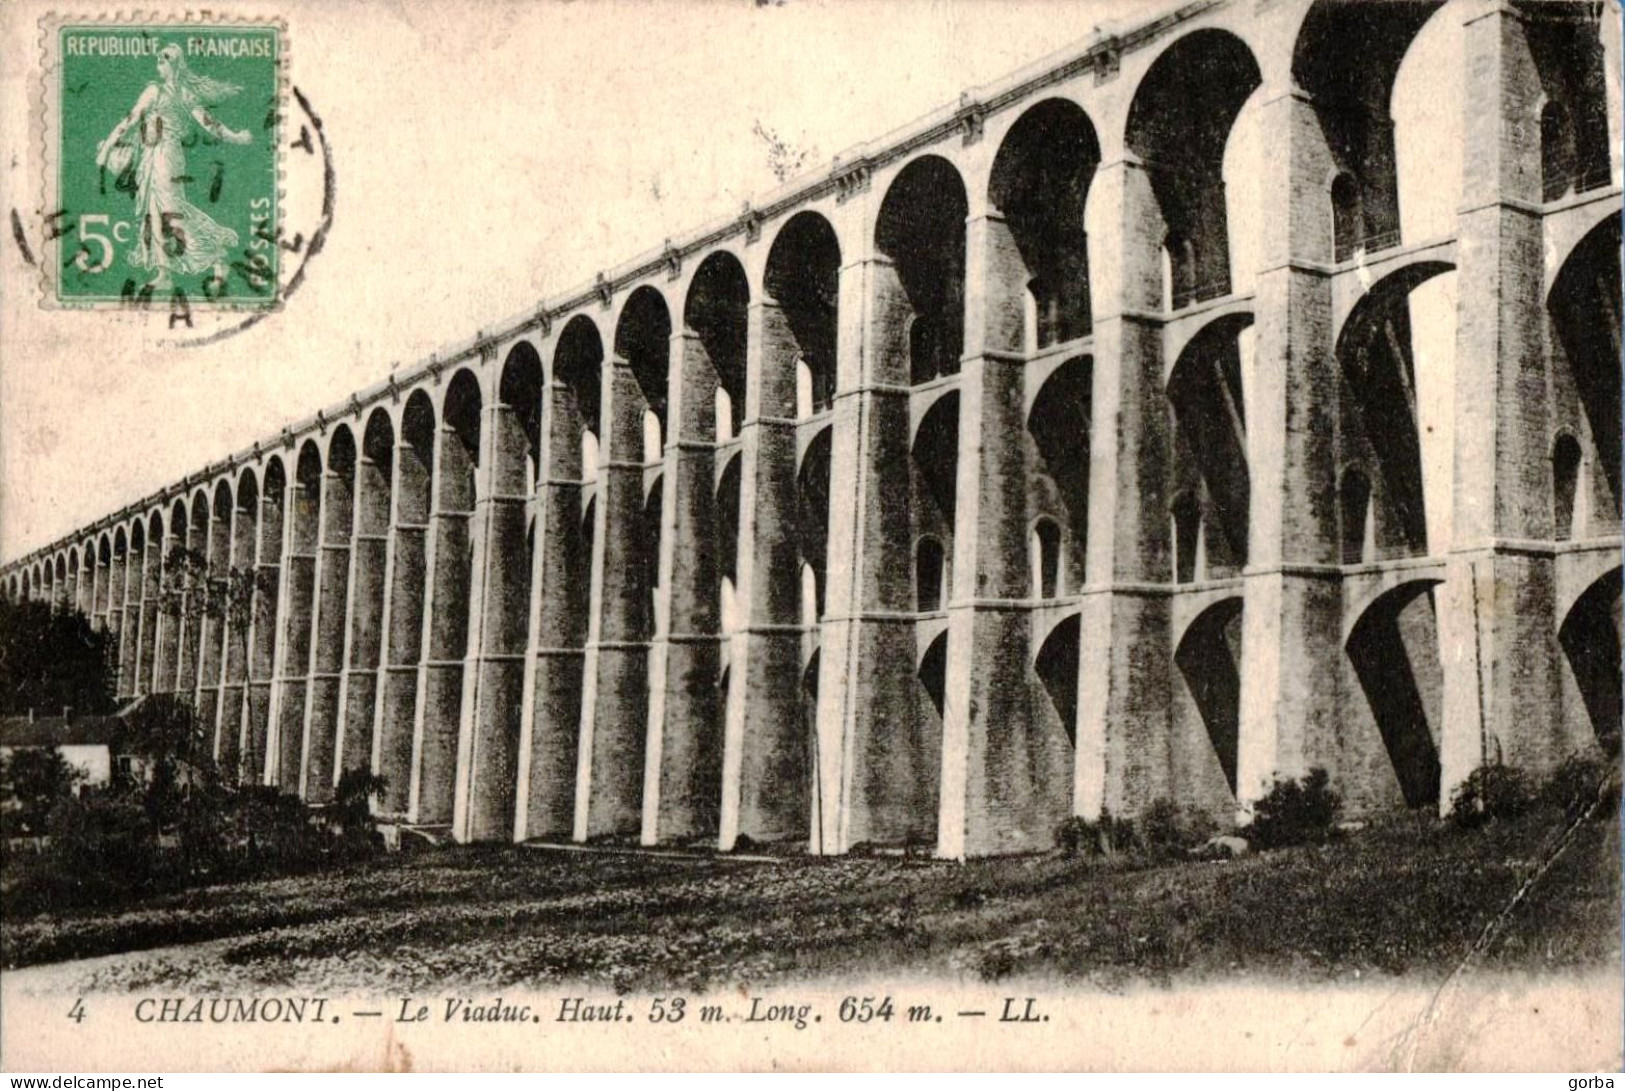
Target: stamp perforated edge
<point>46,127</point>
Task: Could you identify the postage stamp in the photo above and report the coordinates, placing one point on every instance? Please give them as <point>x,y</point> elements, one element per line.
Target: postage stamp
<point>162,162</point>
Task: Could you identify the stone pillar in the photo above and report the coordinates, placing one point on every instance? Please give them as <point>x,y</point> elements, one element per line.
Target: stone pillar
<point>550,716</point>
<point>493,680</point>
<point>186,670</point>
<point>130,622</point>
<point>989,795</point>
<point>168,651</point>
<point>870,764</point>
<point>258,762</point>
<point>765,750</point>
<point>445,634</point>
<point>229,738</point>
<point>1497,623</point>
<point>115,615</point>
<point>84,590</point>
<point>211,644</point>
<point>682,785</point>
<point>321,726</point>
<point>287,712</point>
<point>1125,652</point>
<point>98,595</point>
<point>146,667</point>
<point>614,701</point>
<point>70,590</point>
<point>407,567</point>
<point>1292,612</point>
<point>369,577</point>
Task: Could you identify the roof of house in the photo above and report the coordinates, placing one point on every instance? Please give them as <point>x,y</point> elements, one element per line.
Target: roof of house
<point>73,730</point>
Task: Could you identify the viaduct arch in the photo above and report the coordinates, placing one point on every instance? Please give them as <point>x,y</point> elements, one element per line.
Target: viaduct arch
<point>1037,461</point>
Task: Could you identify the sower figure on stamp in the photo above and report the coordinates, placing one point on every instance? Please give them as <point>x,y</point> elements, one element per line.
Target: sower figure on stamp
<point>176,236</point>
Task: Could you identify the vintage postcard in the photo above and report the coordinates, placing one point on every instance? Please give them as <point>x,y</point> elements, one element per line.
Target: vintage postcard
<point>795,534</point>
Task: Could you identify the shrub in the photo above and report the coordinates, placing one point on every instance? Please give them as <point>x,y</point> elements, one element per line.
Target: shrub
<point>1167,828</point>
<point>1105,836</point>
<point>1163,829</point>
<point>357,791</point>
<point>917,847</point>
<point>1581,781</point>
<point>266,831</point>
<point>1072,834</point>
<point>102,847</point>
<point>118,843</point>
<point>1295,812</point>
<point>1492,791</point>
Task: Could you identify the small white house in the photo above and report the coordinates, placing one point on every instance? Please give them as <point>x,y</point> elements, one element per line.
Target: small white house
<point>91,744</point>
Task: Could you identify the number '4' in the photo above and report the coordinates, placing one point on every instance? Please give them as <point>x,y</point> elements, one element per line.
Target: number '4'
<point>77,1012</point>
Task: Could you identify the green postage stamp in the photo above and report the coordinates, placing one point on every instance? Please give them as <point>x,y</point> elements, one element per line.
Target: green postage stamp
<point>162,162</point>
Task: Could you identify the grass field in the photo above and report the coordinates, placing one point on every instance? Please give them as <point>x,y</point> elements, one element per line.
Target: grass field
<point>1408,896</point>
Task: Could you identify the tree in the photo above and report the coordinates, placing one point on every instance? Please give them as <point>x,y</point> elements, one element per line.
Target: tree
<point>165,729</point>
<point>179,755</point>
<point>50,659</point>
<point>37,779</point>
<point>191,590</point>
<point>184,591</point>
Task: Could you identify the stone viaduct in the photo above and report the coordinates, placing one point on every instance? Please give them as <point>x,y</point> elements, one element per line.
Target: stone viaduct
<point>972,482</point>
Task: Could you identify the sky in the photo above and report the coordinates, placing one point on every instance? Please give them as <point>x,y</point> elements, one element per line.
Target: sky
<point>485,157</point>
